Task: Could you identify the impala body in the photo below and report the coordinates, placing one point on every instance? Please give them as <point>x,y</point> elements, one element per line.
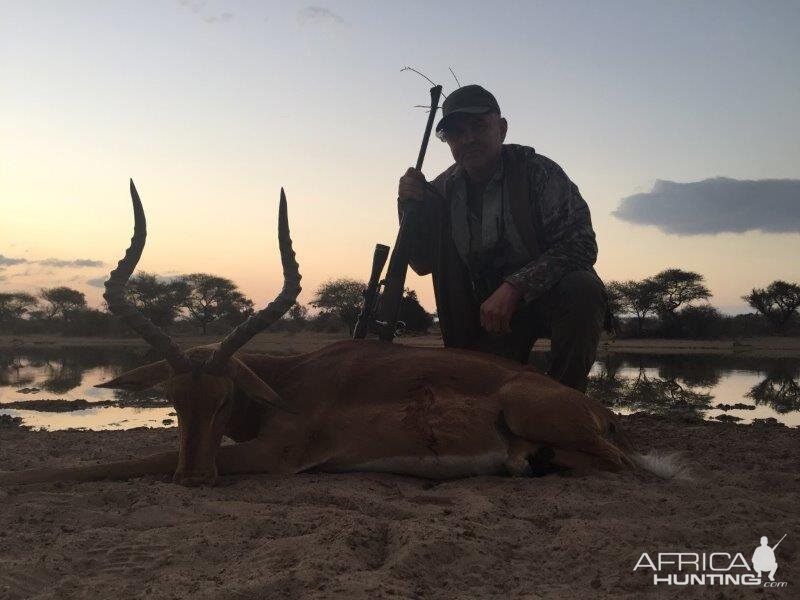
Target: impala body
<point>355,405</point>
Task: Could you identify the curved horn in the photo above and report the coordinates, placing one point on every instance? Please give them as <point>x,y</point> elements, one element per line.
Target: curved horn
<point>275,309</point>
<point>130,315</point>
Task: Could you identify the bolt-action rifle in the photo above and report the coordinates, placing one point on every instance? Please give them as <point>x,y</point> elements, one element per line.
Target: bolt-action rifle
<point>779,542</point>
<point>381,309</point>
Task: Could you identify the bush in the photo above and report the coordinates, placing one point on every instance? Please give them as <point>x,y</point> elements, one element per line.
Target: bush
<point>327,322</point>
<point>91,322</point>
<point>695,322</point>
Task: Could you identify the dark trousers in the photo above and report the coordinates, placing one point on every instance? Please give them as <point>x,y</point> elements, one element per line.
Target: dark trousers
<point>571,315</point>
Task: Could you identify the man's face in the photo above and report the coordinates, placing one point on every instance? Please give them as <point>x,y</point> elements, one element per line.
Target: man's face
<point>476,140</point>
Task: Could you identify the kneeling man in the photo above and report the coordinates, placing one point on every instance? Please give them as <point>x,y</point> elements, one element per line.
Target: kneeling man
<point>509,242</point>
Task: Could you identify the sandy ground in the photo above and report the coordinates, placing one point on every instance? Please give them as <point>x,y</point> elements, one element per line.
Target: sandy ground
<point>375,535</point>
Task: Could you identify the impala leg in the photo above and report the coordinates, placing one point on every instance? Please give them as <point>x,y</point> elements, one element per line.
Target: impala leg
<point>156,464</point>
<point>558,416</point>
<point>267,456</point>
<point>599,455</point>
<point>249,457</point>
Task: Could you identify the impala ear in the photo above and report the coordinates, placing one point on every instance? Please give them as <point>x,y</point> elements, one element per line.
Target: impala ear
<point>140,378</point>
<point>255,387</point>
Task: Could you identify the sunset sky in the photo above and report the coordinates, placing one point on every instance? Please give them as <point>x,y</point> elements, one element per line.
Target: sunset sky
<point>675,120</point>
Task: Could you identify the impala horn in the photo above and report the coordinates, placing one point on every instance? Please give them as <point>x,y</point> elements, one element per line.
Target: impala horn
<point>127,312</point>
<point>274,310</point>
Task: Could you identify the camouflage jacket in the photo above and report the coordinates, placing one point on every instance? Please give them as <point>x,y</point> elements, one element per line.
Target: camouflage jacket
<point>547,209</point>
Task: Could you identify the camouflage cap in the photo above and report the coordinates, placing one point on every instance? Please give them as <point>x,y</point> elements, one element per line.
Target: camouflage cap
<point>469,99</point>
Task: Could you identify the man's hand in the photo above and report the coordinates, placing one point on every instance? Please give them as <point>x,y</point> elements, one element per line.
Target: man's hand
<point>497,310</point>
<point>412,185</point>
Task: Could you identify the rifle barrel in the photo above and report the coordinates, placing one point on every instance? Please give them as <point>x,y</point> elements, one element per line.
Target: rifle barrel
<point>779,541</point>
<point>394,283</point>
<point>436,93</point>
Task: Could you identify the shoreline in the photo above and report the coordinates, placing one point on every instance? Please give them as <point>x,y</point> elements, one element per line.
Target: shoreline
<point>297,343</point>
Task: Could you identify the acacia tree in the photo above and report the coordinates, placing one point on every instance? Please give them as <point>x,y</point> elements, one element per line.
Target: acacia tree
<point>677,287</point>
<point>616,304</point>
<point>415,317</point>
<point>61,301</point>
<point>160,301</point>
<point>297,313</point>
<point>342,298</point>
<point>15,304</point>
<point>778,302</point>
<point>210,298</point>
<point>639,298</point>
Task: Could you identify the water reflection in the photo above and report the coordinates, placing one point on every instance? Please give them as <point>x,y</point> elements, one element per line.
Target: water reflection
<point>38,376</point>
<point>779,390</point>
<point>60,371</point>
<point>11,372</point>
<point>748,388</point>
<point>691,371</point>
<point>106,417</point>
<point>703,385</point>
<point>659,393</point>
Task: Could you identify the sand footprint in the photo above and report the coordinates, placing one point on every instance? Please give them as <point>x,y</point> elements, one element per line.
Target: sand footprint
<point>18,581</point>
<point>129,558</point>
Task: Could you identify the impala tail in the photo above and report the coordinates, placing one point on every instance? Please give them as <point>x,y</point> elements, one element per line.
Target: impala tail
<point>661,464</point>
<point>666,465</point>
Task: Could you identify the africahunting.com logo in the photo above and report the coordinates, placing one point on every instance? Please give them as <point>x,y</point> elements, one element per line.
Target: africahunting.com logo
<point>714,568</point>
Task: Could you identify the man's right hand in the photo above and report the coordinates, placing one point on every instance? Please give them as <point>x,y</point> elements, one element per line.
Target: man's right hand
<point>412,185</point>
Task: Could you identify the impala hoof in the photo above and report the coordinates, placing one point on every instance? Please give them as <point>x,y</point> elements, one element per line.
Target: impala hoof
<point>541,463</point>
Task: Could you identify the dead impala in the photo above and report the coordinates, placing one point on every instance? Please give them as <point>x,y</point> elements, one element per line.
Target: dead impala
<point>350,406</point>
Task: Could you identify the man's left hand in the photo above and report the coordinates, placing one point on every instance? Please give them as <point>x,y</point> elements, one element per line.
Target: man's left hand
<point>496,312</point>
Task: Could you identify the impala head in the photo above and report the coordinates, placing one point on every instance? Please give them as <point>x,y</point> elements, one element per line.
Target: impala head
<point>202,383</point>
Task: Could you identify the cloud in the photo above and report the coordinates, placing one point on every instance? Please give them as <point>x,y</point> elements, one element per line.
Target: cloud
<point>717,205</point>
<point>223,18</point>
<point>194,5</point>
<point>198,7</point>
<point>317,15</point>
<point>79,262</point>
<point>6,261</point>
<point>97,282</point>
